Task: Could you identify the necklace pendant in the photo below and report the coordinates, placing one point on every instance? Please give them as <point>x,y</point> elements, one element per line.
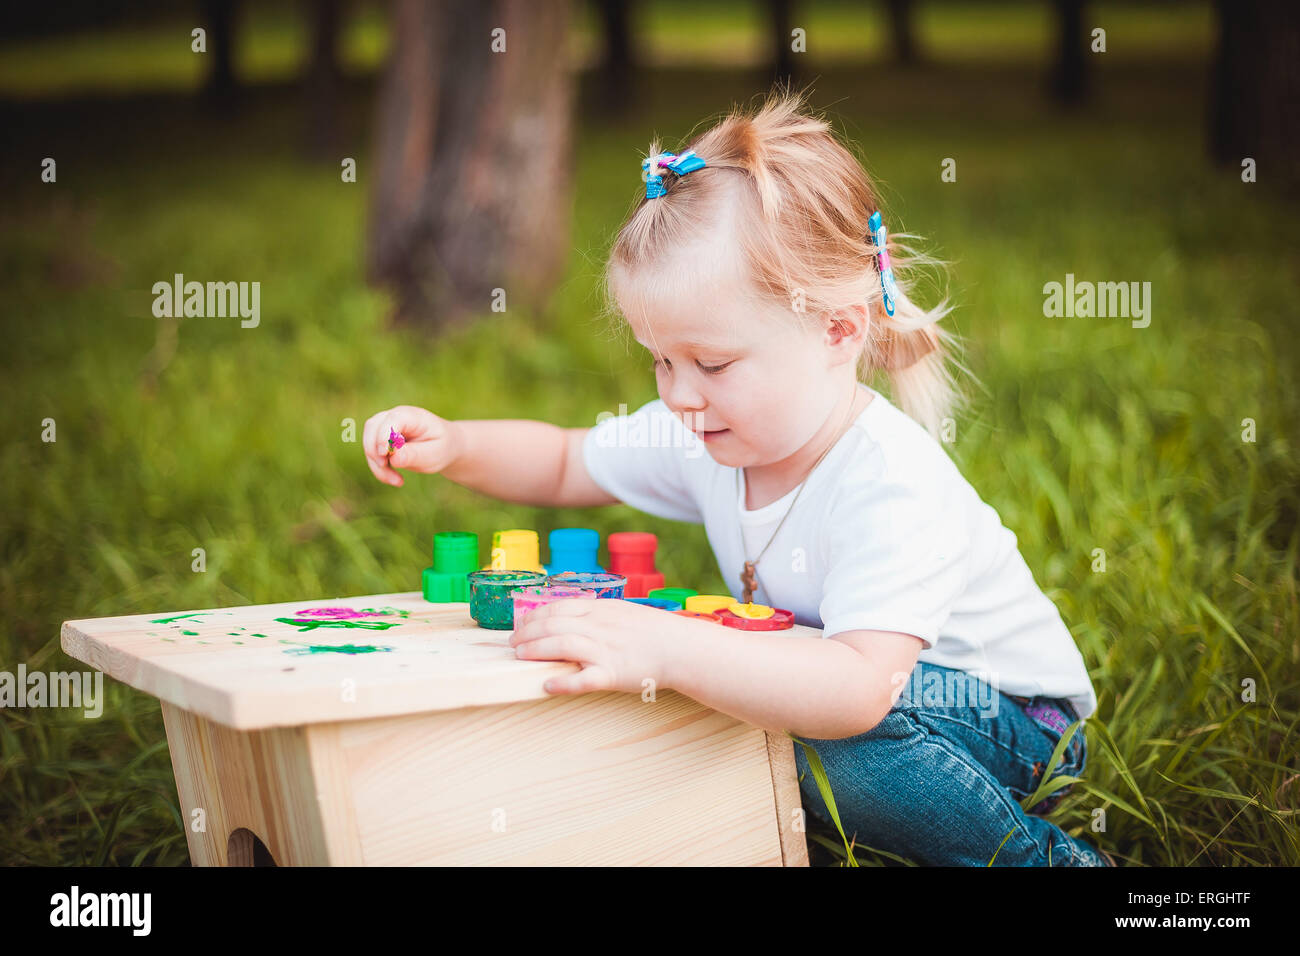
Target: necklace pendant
<point>749,582</point>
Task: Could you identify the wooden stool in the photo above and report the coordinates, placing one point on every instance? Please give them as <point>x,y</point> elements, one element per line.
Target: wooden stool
<point>386,730</point>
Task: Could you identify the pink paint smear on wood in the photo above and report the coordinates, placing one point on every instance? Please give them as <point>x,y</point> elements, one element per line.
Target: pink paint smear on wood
<point>339,613</point>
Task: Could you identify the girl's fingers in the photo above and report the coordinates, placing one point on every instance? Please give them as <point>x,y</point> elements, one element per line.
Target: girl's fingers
<point>384,473</point>
<point>376,454</point>
<point>567,609</point>
<point>545,622</point>
<point>592,677</point>
<point>568,646</point>
<point>380,438</point>
<point>425,455</point>
<point>414,423</point>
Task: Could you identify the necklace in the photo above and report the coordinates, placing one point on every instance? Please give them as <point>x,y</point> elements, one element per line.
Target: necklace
<point>747,575</point>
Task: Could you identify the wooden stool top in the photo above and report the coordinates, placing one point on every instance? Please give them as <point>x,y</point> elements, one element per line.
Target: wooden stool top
<point>307,662</point>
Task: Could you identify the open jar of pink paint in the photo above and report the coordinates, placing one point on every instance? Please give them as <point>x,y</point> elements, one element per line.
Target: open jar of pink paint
<point>532,597</point>
<point>602,584</point>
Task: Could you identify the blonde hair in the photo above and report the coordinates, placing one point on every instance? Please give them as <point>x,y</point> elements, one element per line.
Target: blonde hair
<point>799,203</point>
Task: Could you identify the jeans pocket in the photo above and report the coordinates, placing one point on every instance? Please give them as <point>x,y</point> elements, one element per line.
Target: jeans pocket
<point>1053,716</point>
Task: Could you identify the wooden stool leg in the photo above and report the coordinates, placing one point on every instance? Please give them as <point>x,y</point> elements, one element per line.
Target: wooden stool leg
<point>789,806</point>
<point>259,784</point>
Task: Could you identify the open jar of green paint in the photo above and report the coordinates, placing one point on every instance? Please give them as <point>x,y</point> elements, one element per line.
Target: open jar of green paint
<point>491,603</point>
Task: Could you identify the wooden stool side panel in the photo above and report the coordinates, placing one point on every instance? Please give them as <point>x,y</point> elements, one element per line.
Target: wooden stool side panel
<point>333,795</point>
<point>598,779</point>
<point>785,788</point>
<point>262,780</point>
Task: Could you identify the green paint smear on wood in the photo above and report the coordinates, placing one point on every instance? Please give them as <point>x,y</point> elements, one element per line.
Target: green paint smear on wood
<point>338,649</point>
<point>192,634</point>
<point>390,611</point>
<point>310,624</point>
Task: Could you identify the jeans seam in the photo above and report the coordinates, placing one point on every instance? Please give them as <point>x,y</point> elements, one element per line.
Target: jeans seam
<point>965,757</point>
<point>1027,761</point>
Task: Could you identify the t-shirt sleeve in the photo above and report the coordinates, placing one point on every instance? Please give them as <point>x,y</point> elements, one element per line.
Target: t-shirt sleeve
<point>898,558</point>
<point>645,459</point>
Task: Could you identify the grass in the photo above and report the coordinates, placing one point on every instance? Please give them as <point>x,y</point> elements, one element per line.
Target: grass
<point>1085,434</point>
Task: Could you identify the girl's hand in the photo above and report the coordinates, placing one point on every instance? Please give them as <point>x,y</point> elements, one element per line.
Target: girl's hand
<point>619,644</point>
<point>431,443</point>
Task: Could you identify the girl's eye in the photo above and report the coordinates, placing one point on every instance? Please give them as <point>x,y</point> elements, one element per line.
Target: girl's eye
<point>709,369</point>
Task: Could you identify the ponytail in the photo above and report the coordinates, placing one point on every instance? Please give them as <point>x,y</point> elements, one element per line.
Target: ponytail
<point>914,351</point>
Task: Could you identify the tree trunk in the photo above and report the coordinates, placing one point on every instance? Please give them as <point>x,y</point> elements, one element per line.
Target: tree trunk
<point>472,163</point>
<point>323,78</point>
<point>618,67</point>
<point>902,30</point>
<point>1255,90</point>
<point>219,87</point>
<point>783,68</point>
<point>1070,71</point>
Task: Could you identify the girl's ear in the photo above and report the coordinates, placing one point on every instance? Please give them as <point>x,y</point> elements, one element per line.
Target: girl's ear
<point>848,325</point>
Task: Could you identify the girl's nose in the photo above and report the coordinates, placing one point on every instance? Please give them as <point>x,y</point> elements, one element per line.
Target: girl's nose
<point>683,397</point>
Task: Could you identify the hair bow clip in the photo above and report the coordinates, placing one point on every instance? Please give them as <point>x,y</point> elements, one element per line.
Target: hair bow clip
<point>887,284</point>
<point>687,162</point>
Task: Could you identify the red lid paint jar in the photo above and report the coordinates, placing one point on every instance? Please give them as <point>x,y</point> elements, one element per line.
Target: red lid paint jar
<point>632,554</point>
<point>490,601</point>
<point>755,617</point>
<point>700,614</point>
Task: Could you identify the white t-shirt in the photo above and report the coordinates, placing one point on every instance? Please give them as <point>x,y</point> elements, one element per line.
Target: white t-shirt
<point>887,536</point>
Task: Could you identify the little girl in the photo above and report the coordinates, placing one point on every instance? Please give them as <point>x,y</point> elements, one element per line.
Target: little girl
<point>758,276</point>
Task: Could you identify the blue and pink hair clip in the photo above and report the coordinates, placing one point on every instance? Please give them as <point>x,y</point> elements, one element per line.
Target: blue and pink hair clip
<point>687,162</point>
<point>887,285</point>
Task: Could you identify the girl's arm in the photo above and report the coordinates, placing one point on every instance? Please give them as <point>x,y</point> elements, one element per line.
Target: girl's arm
<point>818,688</point>
<point>529,462</point>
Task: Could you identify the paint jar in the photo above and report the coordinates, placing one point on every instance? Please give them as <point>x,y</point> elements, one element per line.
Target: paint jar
<point>605,585</point>
<point>632,554</point>
<point>490,601</point>
<point>525,599</point>
<point>662,603</point>
<point>699,614</point>
<point>515,549</point>
<point>573,549</point>
<point>455,555</point>
<point>708,603</point>
<point>673,594</point>
<point>755,617</point>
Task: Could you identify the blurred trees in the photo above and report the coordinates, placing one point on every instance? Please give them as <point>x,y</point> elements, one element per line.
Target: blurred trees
<point>324,76</point>
<point>472,160</point>
<point>1255,87</point>
<point>219,19</point>
<point>1069,80</point>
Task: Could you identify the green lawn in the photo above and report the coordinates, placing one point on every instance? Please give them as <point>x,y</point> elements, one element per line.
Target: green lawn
<point>1084,433</point>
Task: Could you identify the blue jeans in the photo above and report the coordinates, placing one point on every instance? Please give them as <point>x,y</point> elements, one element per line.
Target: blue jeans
<point>939,779</point>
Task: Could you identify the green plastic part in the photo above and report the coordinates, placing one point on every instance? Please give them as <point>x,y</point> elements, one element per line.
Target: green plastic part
<point>455,555</point>
<point>673,594</point>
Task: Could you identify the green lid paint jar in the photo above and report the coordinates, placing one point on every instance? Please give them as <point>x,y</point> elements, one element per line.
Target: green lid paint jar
<point>673,594</point>
<point>455,555</point>
<point>491,602</point>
